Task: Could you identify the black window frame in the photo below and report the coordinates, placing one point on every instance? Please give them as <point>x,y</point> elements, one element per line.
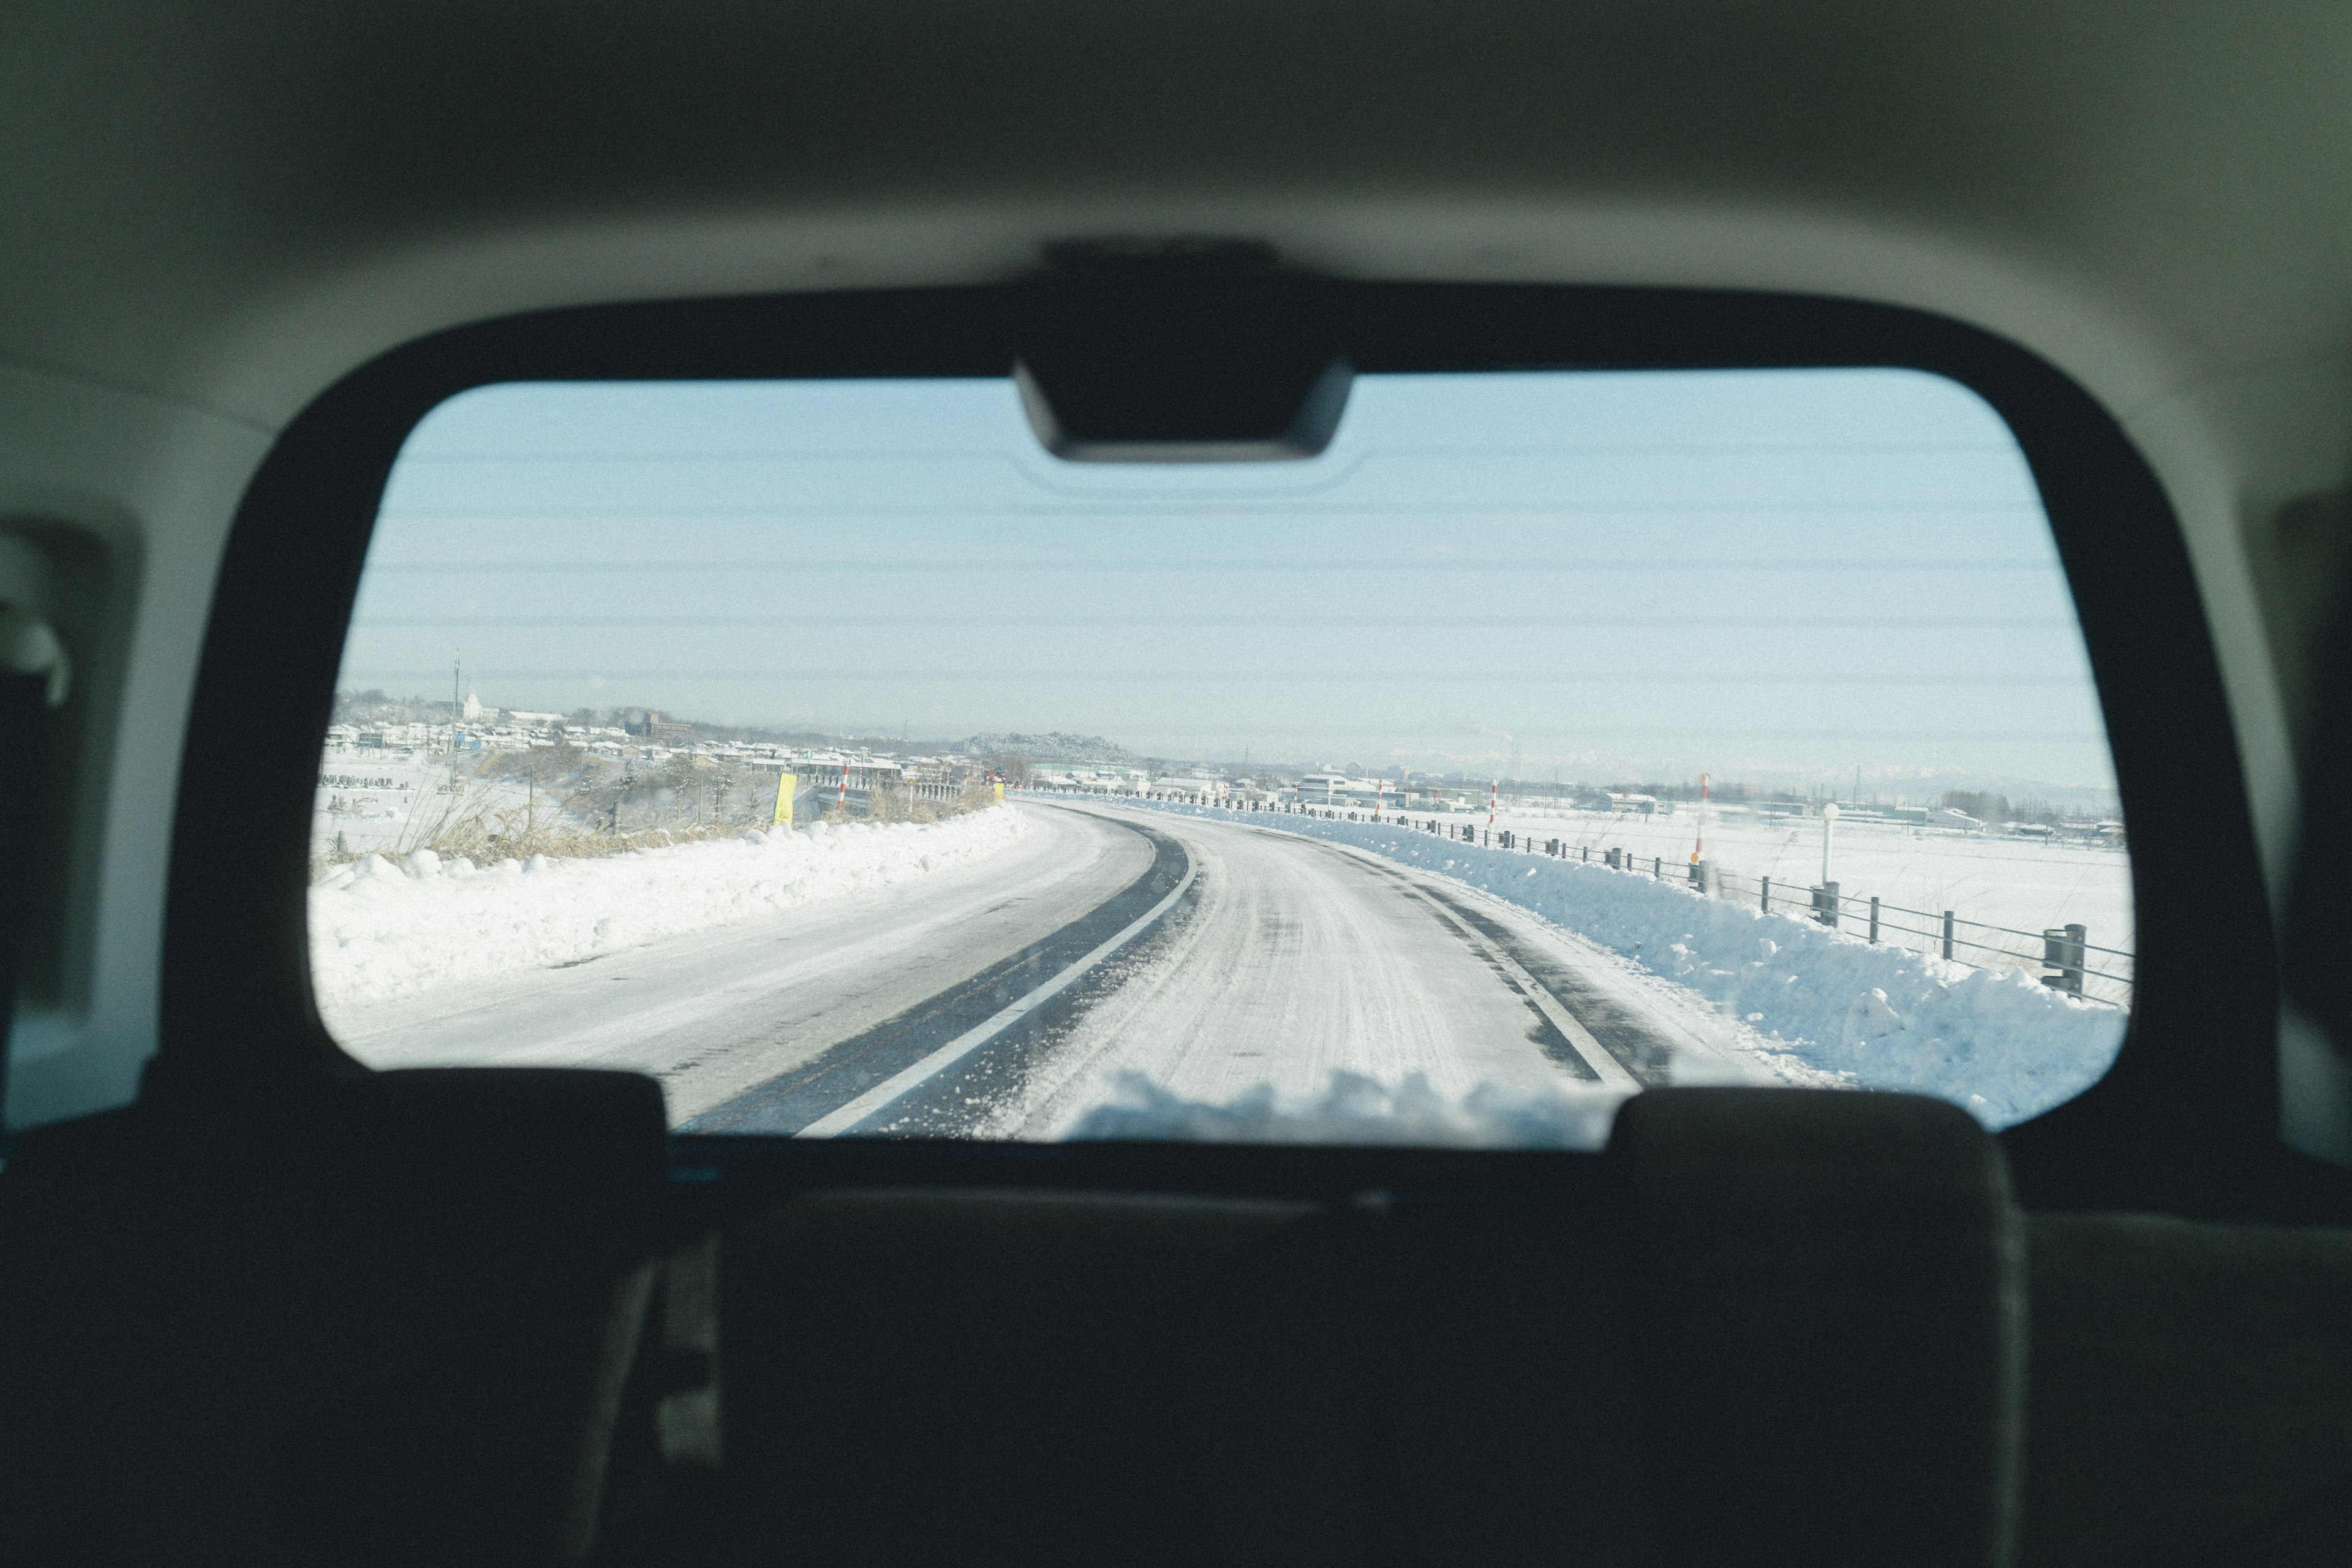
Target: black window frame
<point>2187,1119</point>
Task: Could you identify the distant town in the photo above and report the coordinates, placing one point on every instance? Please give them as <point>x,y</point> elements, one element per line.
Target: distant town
<point>369,725</point>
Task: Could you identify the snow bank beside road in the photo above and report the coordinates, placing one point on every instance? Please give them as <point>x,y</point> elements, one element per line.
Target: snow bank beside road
<point>380,930</point>
<point>2002,1045</point>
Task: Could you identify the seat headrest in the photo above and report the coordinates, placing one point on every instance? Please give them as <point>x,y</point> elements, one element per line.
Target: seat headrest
<point>1831,1293</point>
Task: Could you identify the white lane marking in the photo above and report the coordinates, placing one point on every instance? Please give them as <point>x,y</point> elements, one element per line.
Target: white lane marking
<point>836,1122</point>
<point>1605,1067</point>
<point>1596,1055</point>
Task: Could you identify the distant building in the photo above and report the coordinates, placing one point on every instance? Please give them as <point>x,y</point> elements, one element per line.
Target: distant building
<point>1624,805</point>
<point>669,731</point>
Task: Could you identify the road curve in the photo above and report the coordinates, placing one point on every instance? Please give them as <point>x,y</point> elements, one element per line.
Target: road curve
<point>1292,958</point>
<point>713,1013</point>
<point>1006,998</point>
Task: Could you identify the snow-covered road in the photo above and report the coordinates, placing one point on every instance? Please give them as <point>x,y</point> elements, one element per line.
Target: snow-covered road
<point>1283,961</point>
<point>713,1013</point>
<point>1294,960</point>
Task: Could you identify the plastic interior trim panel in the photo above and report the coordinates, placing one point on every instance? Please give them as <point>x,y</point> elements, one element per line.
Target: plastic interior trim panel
<point>2187,1119</point>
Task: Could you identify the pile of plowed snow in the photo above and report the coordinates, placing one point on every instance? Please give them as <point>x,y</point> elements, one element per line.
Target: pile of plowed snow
<point>2001,1044</point>
<point>379,930</point>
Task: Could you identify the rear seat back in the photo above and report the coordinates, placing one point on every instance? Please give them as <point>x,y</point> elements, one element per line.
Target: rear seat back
<point>1780,1326</point>
<point>929,1377</point>
<point>368,1335</point>
<point>1831,1290</point>
<point>1400,1382</point>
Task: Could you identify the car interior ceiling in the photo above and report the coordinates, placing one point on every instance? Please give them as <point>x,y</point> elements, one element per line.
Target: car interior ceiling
<point>260,1303</point>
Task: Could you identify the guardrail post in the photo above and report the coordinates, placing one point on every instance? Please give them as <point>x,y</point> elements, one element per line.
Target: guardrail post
<point>2062,950</point>
<point>1947,933</point>
<point>1767,894</point>
<point>1873,916</point>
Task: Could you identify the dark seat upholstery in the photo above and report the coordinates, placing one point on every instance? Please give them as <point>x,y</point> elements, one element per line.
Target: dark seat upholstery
<point>953,1377</point>
<point>236,1348</point>
<point>1775,1326</point>
<point>2192,1397</point>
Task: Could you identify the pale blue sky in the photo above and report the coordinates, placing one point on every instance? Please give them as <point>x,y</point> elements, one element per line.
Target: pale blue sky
<point>1759,574</point>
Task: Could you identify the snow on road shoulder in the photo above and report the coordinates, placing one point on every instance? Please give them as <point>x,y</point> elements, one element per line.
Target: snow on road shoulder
<point>2000,1044</point>
<point>380,930</point>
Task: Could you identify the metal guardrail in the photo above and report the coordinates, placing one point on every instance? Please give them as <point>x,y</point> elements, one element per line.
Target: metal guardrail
<point>2074,961</point>
<point>2074,964</point>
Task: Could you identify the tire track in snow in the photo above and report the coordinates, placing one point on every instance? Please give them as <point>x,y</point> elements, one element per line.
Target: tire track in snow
<point>800,1100</point>
<point>1609,1044</point>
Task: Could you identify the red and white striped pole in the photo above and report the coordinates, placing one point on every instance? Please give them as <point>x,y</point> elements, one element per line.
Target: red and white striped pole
<point>1493,794</point>
<point>845,787</point>
<point>1379,799</point>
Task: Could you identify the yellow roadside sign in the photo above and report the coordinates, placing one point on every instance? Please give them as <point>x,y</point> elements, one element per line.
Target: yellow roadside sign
<point>784,787</point>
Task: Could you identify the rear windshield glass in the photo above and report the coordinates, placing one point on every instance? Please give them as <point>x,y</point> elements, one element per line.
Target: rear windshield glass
<point>837,754</point>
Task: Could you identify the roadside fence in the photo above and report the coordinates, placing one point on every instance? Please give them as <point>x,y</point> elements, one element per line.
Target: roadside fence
<point>2071,961</point>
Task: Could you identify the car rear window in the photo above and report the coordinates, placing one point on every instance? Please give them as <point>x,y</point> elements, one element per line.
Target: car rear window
<point>833,752</point>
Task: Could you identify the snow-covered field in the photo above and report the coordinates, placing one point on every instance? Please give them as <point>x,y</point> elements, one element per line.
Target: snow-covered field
<point>1880,1017</point>
<point>2025,884</point>
<point>374,801</point>
<point>379,930</point>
